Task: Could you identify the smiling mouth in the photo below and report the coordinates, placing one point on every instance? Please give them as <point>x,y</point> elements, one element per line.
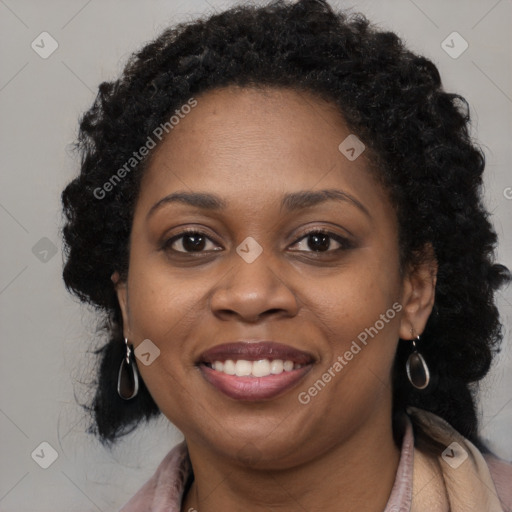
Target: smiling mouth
<point>260,368</point>
<point>254,370</point>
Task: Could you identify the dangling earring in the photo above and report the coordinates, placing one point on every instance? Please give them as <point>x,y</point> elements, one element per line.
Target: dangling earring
<point>128,377</point>
<point>417,369</point>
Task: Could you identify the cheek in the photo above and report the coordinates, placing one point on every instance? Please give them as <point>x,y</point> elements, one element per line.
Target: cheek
<point>164,311</point>
<point>161,303</point>
<point>359,313</point>
<point>353,299</point>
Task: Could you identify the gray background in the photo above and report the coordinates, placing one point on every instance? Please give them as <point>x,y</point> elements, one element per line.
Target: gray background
<point>46,334</point>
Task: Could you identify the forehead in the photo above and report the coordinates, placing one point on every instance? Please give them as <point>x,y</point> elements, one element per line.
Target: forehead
<point>255,144</point>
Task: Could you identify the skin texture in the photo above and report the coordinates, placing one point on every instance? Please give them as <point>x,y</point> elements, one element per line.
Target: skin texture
<point>250,147</point>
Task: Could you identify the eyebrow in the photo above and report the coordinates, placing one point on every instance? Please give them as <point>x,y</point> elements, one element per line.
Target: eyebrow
<point>290,202</point>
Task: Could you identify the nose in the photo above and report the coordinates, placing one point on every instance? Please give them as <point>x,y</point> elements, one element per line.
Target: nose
<point>253,291</point>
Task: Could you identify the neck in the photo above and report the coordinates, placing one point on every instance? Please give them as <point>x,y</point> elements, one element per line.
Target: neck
<point>338,480</point>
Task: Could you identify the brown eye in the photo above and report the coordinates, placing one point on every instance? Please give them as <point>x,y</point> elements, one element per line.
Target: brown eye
<point>321,241</point>
<point>190,241</point>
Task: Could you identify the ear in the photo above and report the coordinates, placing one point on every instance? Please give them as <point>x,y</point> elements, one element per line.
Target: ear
<point>122,297</point>
<point>418,294</point>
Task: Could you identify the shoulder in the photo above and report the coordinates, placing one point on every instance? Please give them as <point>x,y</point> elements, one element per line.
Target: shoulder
<point>483,477</point>
<point>501,473</point>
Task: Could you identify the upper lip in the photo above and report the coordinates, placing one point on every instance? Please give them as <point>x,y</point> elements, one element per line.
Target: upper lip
<point>254,351</point>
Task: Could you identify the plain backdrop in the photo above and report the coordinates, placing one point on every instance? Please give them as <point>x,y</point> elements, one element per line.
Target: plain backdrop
<point>46,334</point>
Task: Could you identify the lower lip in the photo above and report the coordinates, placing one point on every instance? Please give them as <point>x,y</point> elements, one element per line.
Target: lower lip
<point>254,388</point>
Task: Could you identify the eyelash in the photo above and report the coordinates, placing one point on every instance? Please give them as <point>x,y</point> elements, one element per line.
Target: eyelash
<point>344,242</point>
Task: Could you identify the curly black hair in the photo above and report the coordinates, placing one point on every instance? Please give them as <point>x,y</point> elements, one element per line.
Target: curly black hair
<point>416,133</point>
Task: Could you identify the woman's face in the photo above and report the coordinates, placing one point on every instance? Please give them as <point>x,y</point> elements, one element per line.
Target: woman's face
<point>252,169</point>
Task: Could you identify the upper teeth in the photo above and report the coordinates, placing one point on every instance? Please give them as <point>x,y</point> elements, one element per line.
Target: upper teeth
<point>261,368</point>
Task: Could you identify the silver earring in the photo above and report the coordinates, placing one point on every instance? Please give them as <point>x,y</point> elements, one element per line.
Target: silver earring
<point>417,369</point>
<point>128,377</point>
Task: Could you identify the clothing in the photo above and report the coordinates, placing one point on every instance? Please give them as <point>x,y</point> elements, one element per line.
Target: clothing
<point>423,483</point>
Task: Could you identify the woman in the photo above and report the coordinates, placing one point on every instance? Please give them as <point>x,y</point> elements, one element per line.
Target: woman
<point>279,211</point>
